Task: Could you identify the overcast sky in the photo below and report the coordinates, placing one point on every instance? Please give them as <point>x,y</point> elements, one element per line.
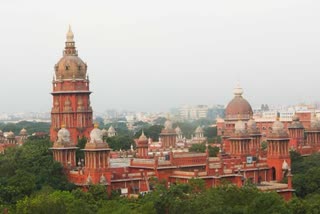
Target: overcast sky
<point>149,55</point>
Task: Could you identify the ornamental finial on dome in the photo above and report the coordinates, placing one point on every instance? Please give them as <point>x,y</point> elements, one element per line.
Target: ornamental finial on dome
<point>70,35</point>
<point>238,91</point>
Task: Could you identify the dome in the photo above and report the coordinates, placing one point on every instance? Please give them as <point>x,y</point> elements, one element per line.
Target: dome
<point>63,136</point>
<point>70,66</point>
<point>199,130</point>
<point>96,135</point>
<point>1,133</point>
<point>10,134</point>
<point>278,130</point>
<point>111,129</point>
<point>238,107</point>
<point>23,132</point>
<point>296,124</point>
<point>168,125</point>
<point>178,130</point>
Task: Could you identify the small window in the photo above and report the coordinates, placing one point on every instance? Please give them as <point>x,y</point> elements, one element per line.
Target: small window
<point>67,67</point>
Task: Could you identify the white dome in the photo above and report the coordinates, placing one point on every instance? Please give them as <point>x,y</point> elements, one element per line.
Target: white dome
<point>199,130</point>
<point>168,125</point>
<point>63,135</point>
<point>96,136</point>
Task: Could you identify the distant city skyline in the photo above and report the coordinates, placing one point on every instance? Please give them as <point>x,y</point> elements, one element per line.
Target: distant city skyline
<point>145,56</point>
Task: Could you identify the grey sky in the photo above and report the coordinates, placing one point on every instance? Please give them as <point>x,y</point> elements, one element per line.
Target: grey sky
<point>153,55</point>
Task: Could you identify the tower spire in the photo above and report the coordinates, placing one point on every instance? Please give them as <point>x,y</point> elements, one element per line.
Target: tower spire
<point>70,35</point>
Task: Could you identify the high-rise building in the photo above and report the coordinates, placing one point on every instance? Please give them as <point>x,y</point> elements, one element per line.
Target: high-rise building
<point>71,95</point>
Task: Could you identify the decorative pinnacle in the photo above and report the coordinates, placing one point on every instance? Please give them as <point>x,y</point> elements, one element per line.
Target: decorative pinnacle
<point>70,35</point>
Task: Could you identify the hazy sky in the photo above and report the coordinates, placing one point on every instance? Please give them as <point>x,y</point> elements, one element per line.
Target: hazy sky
<point>153,55</point>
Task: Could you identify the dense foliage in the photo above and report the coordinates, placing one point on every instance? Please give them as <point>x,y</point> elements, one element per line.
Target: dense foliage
<point>31,127</point>
<point>213,151</point>
<point>26,169</point>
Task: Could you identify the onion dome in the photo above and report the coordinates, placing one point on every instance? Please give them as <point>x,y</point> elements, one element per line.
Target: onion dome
<point>278,130</point>
<point>238,107</point>
<point>199,130</point>
<point>296,124</point>
<point>111,130</point>
<point>63,137</point>
<point>252,127</point>
<point>96,135</point>
<point>70,66</point>
<point>104,132</point>
<point>23,132</point>
<point>315,123</point>
<point>178,130</point>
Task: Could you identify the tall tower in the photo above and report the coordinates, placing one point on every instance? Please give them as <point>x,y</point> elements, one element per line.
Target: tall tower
<point>71,95</point>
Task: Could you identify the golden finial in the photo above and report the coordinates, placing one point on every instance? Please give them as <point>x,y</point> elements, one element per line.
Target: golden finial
<point>63,125</point>
<point>96,125</point>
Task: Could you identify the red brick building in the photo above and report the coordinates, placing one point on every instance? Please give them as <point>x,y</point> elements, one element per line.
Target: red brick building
<point>240,160</point>
<point>71,95</point>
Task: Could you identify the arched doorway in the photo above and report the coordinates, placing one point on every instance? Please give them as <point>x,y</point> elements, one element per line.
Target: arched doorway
<point>273,174</point>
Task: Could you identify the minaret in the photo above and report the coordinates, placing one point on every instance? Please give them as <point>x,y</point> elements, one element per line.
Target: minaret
<point>142,146</point>
<point>71,94</point>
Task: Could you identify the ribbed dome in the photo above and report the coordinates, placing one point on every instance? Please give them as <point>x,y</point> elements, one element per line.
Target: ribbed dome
<point>111,129</point>
<point>238,107</point>
<point>278,130</point>
<point>70,66</point>
<point>296,124</point>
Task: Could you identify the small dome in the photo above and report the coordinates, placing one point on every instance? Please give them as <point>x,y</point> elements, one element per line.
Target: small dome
<point>96,136</point>
<point>285,165</point>
<point>168,125</point>
<point>1,133</point>
<point>23,132</point>
<point>199,130</point>
<point>111,129</point>
<point>178,130</point>
<point>10,135</point>
<point>63,136</point>
<point>295,124</point>
<point>238,107</point>
<point>278,130</point>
